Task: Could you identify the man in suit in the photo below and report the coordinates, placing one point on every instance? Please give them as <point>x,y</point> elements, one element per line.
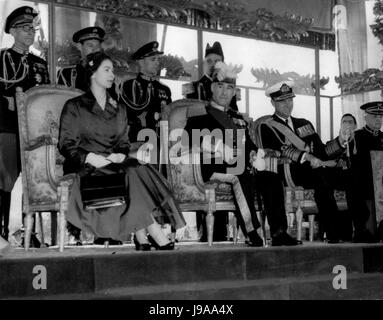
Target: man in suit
<point>302,147</point>
<point>18,68</point>
<point>144,96</point>
<point>227,158</point>
<point>201,90</point>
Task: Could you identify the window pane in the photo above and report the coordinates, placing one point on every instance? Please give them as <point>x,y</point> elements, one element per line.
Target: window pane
<point>296,63</point>
<point>175,87</point>
<point>41,44</point>
<point>329,69</point>
<point>123,36</point>
<point>180,52</point>
<point>325,119</point>
<point>260,105</point>
<point>337,115</point>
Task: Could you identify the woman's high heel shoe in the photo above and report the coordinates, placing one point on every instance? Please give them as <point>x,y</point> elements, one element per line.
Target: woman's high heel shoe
<point>141,246</point>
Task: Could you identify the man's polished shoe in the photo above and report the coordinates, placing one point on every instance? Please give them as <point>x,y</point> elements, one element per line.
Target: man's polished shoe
<point>282,238</point>
<point>254,239</point>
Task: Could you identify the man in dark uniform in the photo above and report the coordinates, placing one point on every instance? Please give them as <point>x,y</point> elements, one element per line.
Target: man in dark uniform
<point>18,68</point>
<point>370,137</point>
<point>201,89</point>
<point>302,147</point>
<point>144,96</point>
<point>88,40</point>
<point>220,116</point>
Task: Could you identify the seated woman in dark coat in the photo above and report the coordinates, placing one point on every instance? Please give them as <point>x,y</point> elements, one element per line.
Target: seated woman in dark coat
<point>94,141</point>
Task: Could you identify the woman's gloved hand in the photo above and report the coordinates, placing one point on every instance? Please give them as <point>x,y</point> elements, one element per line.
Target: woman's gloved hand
<point>96,160</point>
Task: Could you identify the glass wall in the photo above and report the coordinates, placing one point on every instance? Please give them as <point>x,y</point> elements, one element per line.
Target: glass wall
<point>263,63</point>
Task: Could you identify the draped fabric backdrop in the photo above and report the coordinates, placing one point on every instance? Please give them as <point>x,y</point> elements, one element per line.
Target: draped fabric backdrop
<point>351,27</point>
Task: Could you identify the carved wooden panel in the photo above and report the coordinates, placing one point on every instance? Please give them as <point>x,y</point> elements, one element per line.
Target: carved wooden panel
<point>377,172</point>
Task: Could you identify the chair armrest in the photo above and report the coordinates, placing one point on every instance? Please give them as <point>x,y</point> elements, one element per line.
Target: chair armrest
<point>44,140</point>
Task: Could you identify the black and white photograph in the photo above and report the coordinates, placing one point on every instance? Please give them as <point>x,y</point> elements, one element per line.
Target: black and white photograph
<point>195,154</point>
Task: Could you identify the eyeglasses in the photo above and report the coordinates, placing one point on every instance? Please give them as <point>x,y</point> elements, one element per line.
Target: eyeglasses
<point>28,28</point>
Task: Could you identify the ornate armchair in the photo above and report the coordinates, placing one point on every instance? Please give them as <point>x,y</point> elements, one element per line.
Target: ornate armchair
<point>44,187</point>
<point>185,175</point>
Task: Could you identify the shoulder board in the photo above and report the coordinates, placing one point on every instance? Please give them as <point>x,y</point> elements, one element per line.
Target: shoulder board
<point>188,88</point>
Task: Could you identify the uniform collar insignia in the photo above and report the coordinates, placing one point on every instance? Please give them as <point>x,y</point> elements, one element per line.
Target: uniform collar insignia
<point>148,78</point>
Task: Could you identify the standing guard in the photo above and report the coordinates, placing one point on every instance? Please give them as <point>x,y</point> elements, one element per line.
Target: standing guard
<point>18,68</point>
<point>144,96</point>
<point>88,40</point>
<point>201,89</point>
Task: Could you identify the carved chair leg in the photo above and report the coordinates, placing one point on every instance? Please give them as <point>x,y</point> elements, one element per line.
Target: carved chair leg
<point>62,227</point>
<point>299,216</point>
<point>210,226</point>
<point>235,229</point>
<point>63,194</point>
<point>311,226</point>
<point>28,222</point>
<point>42,230</point>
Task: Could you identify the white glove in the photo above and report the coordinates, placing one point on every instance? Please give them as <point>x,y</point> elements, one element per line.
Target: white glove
<point>96,160</point>
<point>116,157</point>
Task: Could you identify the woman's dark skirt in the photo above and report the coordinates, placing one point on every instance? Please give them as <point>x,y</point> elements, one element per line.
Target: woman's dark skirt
<point>150,200</point>
<point>9,170</point>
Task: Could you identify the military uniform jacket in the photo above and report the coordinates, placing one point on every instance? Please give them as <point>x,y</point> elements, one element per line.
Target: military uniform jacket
<point>201,90</point>
<point>305,130</point>
<point>17,70</point>
<point>144,98</point>
<point>361,165</point>
<point>217,119</point>
<point>76,77</point>
<point>73,77</point>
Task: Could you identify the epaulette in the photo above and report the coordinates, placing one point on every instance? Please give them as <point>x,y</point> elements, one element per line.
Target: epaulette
<point>188,88</point>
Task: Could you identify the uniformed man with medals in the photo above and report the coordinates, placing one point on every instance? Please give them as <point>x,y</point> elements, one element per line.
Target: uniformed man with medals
<point>201,89</point>
<point>219,116</point>
<point>88,40</point>
<point>145,96</point>
<point>308,157</point>
<point>18,68</point>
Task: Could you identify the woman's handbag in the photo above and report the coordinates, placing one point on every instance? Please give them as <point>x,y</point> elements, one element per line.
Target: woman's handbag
<point>102,191</point>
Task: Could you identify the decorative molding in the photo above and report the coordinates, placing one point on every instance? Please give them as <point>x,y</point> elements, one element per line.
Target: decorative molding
<point>303,84</point>
<point>356,82</point>
<point>216,15</point>
<point>377,27</point>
